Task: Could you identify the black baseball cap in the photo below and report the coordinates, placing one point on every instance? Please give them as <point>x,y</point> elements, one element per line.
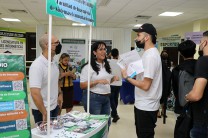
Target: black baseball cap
<point>147,28</point>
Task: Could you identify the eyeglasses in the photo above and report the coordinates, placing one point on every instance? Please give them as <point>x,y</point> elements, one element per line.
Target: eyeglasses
<point>55,43</point>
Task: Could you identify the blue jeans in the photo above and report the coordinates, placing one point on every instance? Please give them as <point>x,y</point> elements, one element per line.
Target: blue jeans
<point>114,100</point>
<point>199,131</point>
<point>99,104</point>
<point>39,117</point>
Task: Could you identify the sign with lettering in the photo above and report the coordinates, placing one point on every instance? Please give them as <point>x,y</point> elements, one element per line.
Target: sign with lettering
<point>82,11</point>
<point>194,36</point>
<point>76,49</point>
<point>12,42</point>
<point>14,109</point>
<point>172,41</point>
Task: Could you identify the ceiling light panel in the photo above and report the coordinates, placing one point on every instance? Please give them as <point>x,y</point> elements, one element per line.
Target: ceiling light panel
<point>170,13</point>
<point>11,19</point>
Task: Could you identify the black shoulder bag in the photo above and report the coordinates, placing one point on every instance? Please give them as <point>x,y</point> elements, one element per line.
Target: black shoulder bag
<point>184,123</point>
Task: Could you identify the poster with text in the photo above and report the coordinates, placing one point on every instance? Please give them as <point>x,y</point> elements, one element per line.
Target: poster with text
<point>14,109</point>
<point>194,36</point>
<point>82,11</point>
<point>76,49</point>
<point>12,42</point>
<point>172,41</point>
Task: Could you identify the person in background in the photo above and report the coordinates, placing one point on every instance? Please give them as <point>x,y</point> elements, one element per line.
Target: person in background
<point>109,56</point>
<point>100,79</point>
<point>66,82</point>
<point>199,94</point>
<point>187,50</point>
<point>165,58</point>
<point>116,85</point>
<point>38,80</point>
<point>148,85</point>
<point>166,65</point>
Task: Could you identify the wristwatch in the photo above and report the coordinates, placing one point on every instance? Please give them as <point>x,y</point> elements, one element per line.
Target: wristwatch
<point>127,78</point>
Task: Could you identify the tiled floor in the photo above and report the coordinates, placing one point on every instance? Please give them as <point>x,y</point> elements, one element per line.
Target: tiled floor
<point>125,128</point>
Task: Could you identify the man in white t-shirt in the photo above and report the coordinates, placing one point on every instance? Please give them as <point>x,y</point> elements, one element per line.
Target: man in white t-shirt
<point>148,84</point>
<point>116,85</point>
<point>38,80</point>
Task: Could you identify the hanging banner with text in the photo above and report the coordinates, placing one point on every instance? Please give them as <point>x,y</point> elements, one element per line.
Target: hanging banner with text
<point>76,49</point>
<point>12,42</point>
<point>82,11</point>
<point>194,36</point>
<point>14,109</point>
<point>172,41</point>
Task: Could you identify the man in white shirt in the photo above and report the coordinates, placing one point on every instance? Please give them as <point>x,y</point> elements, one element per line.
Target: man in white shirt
<point>148,84</point>
<point>38,80</point>
<point>116,85</point>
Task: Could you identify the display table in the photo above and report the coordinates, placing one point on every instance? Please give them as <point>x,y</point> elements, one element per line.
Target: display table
<point>127,92</point>
<point>78,128</point>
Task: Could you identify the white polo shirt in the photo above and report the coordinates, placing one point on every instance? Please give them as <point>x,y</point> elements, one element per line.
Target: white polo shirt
<point>103,74</point>
<point>116,71</point>
<point>38,78</point>
<point>150,100</point>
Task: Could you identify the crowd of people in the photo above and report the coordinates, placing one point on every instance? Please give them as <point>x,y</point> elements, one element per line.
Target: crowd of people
<point>106,80</point>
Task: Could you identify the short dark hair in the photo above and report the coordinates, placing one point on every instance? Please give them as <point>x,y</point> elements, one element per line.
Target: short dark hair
<point>114,52</point>
<point>205,33</point>
<point>187,48</point>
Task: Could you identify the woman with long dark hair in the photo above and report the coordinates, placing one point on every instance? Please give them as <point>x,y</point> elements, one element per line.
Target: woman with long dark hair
<point>100,79</point>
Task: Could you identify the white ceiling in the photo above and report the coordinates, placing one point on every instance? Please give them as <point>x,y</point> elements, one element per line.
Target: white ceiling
<point>117,13</point>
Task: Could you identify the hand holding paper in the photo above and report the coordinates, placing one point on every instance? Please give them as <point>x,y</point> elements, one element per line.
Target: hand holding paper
<point>132,62</point>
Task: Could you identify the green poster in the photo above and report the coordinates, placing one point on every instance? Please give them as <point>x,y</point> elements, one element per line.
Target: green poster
<point>83,11</point>
<point>14,109</point>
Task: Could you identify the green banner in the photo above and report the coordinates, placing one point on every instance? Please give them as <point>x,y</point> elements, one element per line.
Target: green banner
<point>14,109</point>
<point>82,11</point>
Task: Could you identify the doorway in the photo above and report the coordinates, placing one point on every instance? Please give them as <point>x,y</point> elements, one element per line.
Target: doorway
<point>173,54</point>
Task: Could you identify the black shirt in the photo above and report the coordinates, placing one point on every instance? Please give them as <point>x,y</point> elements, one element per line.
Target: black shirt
<point>200,108</point>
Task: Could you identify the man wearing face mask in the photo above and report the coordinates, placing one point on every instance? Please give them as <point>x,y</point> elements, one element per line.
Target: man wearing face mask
<point>148,84</point>
<point>199,94</point>
<point>38,80</point>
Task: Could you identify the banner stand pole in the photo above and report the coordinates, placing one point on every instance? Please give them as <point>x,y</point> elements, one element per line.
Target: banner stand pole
<point>49,74</point>
<point>89,70</point>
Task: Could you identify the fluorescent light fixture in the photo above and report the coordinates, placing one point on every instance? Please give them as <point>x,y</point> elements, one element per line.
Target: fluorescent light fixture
<point>78,24</point>
<point>11,19</point>
<point>170,13</point>
<point>138,25</point>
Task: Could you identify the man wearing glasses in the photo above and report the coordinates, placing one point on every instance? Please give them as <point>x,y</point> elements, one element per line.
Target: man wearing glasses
<point>38,80</point>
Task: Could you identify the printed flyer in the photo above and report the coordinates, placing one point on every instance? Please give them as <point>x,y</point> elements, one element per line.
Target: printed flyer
<point>14,109</point>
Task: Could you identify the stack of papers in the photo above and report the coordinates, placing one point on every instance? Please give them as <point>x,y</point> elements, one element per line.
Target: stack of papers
<point>132,62</point>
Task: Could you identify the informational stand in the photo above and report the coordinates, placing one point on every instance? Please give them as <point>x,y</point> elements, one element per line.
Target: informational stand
<point>77,125</point>
<point>14,110</point>
<point>83,11</point>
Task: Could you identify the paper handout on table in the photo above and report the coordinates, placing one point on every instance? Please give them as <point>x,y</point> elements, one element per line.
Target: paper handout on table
<point>132,62</point>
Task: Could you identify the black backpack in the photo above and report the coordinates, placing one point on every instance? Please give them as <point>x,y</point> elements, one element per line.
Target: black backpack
<point>185,85</point>
<point>166,87</point>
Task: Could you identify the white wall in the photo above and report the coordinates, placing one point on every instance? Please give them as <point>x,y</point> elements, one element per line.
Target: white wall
<point>121,38</point>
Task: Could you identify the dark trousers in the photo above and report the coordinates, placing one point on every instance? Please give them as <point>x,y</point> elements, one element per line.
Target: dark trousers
<point>145,123</point>
<point>39,117</point>
<point>114,100</point>
<point>199,131</point>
